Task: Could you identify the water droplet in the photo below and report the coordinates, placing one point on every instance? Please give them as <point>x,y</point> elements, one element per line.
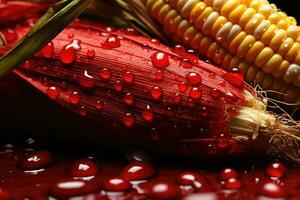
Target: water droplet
<point>116,184</point>
<point>118,86</point>
<point>131,31</point>
<point>159,75</point>
<point>194,78</point>
<point>128,77</point>
<point>232,184</point>
<point>235,77</point>
<point>129,99</point>
<point>53,92</point>
<point>68,53</point>
<point>160,59</point>
<point>138,171</point>
<point>84,168</point>
<point>195,93</point>
<point>177,99</point>
<point>128,120</point>
<point>105,74</point>
<point>82,111</point>
<point>163,190</point>
<point>148,114</point>
<point>71,35</point>
<point>190,178</point>
<point>180,50</point>
<point>182,87</point>
<point>111,42</point>
<point>228,173</point>
<point>273,190</point>
<point>155,41</point>
<point>156,93</point>
<point>99,105</point>
<point>47,51</point>
<point>276,170</point>
<point>87,80</point>
<point>90,53</point>
<point>185,63</point>
<point>36,160</point>
<point>215,93</point>
<point>75,97</point>
<point>26,64</point>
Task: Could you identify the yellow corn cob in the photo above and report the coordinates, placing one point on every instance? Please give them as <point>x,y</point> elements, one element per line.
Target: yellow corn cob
<point>251,34</point>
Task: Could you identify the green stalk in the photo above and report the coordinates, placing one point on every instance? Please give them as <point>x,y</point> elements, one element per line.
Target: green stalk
<point>46,28</point>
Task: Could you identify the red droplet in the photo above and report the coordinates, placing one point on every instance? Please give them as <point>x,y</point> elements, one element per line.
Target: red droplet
<point>235,77</point>
<point>228,173</point>
<point>4,194</point>
<point>129,99</point>
<point>90,53</point>
<point>148,114</point>
<point>163,190</point>
<point>195,93</point>
<point>105,74</point>
<point>99,105</point>
<point>215,93</point>
<point>84,168</point>
<point>111,42</point>
<point>71,35</point>
<point>185,63</point>
<point>82,111</point>
<point>232,184</point>
<point>138,171</point>
<point>68,53</point>
<point>128,77</point>
<point>212,75</point>
<point>71,188</point>
<point>179,49</point>
<point>276,170</point>
<point>116,184</point>
<point>128,120</point>
<point>118,86</point>
<point>36,160</point>
<point>155,41</point>
<point>10,35</point>
<point>47,51</point>
<point>177,98</point>
<point>159,75</point>
<point>272,190</point>
<point>53,92</point>
<point>26,64</point>
<point>75,97</point>
<point>86,80</point>
<point>190,178</point>
<point>160,60</point>
<point>131,31</point>
<point>156,93</point>
<point>182,87</point>
<point>194,78</point>
<point>191,103</point>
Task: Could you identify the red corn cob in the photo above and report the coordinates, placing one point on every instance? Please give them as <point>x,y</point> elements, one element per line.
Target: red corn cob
<point>153,96</point>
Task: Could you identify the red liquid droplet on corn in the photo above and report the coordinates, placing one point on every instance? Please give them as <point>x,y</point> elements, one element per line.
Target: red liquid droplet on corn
<point>182,87</point>
<point>99,105</point>
<point>232,184</point>
<point>111,42</point>
<point>128,120</point>
<point>53,92</point>
<point>26,64</point>
<point>129,99</point>
<point>185,63</point>
<point>160,60</point>
<point>105,74</point>
<point>228,173</point>
<point>138,171</point>
<point>68,53</point>
<point>163,190</point>
<point>195,93</point>
<point>118,86</point>
<point>159,75</point>
<point>36,160</point>
<point>273,190</point>
<point>215,93</point>
<point>128,77</point>
<point>194,78</point>
<point>71,188</point>
<point>116,184</point>
<point>156,93</point>
<point>82,111</point>
<point>177,98</point>
<point>87,80</point>
<point>190,178</point>
<point>47,51</point>
<point>90,53</point>
<point>75,97</point>
<point>235,77</point>
<point>276,170</point>
<point>84,168</point>
<point>148,114</point>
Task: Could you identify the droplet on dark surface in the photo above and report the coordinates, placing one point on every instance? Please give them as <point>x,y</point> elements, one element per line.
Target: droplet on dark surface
<point>156,93</point>
<point>84,168</point>
<point>75,97</point>
<point>128,77</point>
<point>128,99</point>
<point>68,53</point>
<point>53,92</point>
<point>111,42</point>
<point>138,171</point>
<point>90,53</point>
<point>163,190</point>
<point>276,170</point>
<point>116,184</point>
<point>86,80</point>
<point>36,160</point>
<point>159,75</point>
<point>273,190</point>
<point>195,93</point>
<point>48,50</point>
<point>160,59</point>
<point>182,87</point>
<point>118,86</point>
<point>105,74</point>
<point>128,120</point>
<point>228,173</point>
<point>148,114</point>
<point>190,178</point>
<point>194,78</point>
<point>232,184</point>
